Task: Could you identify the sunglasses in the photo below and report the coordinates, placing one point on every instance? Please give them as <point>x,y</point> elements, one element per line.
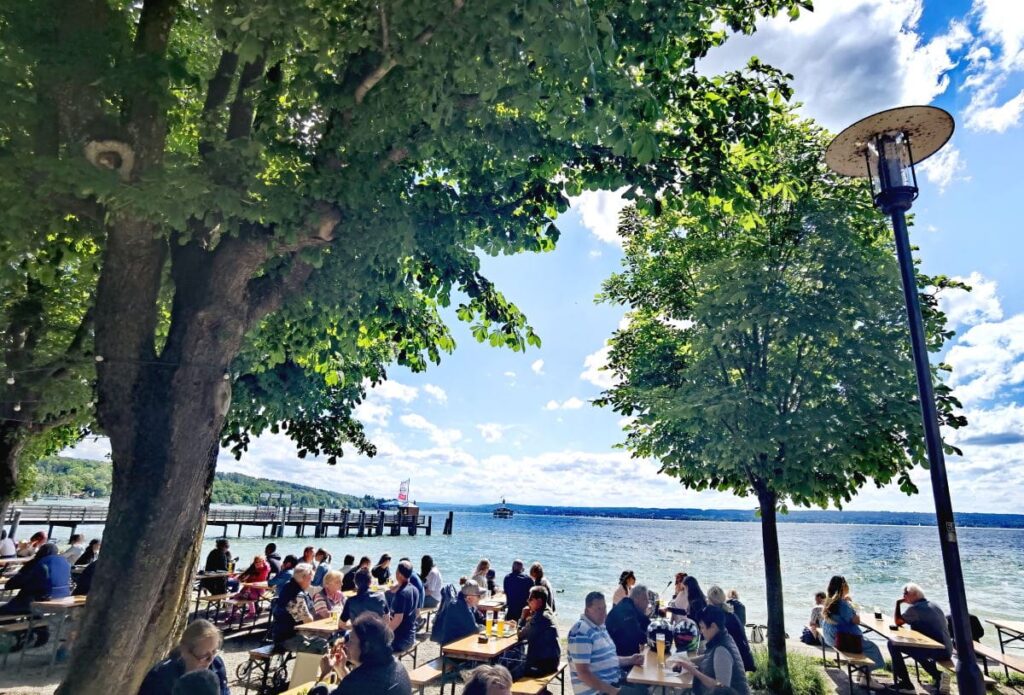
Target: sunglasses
<point>209,656</point>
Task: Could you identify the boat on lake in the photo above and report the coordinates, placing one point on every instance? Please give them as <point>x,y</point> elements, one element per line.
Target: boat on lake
<point>504,511</point>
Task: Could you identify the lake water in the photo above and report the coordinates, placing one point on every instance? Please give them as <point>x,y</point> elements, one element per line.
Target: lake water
<point>582,554</point>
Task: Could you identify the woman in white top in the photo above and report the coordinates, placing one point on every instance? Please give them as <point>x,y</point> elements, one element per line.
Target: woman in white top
<point>626,581</point>
<point>480,574</point>
<point>432,582</point>
<point>537,572</point>
<point>7,547</point>
<point>681,601</point>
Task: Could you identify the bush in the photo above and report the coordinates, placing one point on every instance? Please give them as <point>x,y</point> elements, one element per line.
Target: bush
<point>806,676</point>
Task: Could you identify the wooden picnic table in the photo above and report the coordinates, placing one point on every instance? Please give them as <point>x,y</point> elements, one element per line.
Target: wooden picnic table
<point>471,649</point>
<point>349,594</point>
<point>255,585</point>
<point>653,673</point>
<point>903,637</point>
<point>495,603</point>
<point>325,626</point>
<point>14,561</point>
<point>1008,631</point>
<point>56,605</point>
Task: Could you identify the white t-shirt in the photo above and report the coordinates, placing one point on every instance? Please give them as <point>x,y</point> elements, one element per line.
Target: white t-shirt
<point>73,552</point>
<point>681,601</point>
<point>432,584</point>
<point>7,548</point>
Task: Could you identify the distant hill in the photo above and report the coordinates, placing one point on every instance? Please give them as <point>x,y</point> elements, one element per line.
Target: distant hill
<point>815,516</point>
<point>59,475</point>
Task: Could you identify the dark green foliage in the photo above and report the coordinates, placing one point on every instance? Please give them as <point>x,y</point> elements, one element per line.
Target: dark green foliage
<point>69,476</point>
<point>806,676</point>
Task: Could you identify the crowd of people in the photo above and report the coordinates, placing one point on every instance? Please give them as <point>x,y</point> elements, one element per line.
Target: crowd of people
<point>380,620</point>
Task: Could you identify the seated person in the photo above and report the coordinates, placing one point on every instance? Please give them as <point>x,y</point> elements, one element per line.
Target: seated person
<point>364,600</point>
<point>329,596</point>
<point>376,668</point>
<point>284,575</point>
<point>404,608</point>
<point>273,559</point>
<point>738,609</point>
<point>716,597</point>
<point>432,582</point>
<point>461,618</point>
<point>537,628</point>
<point>416,582</point>
<point>348,579</point>
<point>45,576</point>
<point>595,666</point>
<point>480,574</point>
<point>680,603</point>
<point>92,552</point>
<point>83,581</point>
<point>202,682</point>
<point>382,571</point>
<point>75,548</point>
<point>199,649</point>
<point>217,561</point>
<point>927,618</point>
<point>812,631</point>
<point>293,607</point>
<point>627,621</point>
<point>36,541</point>
<point>488,680</point>
<point>517,585</point>
<point>840,626</point>
<point>721,664</point>
<point>8,549</point>
<point>322,563</point>
<point>349,563</point>
<point>257,572</point>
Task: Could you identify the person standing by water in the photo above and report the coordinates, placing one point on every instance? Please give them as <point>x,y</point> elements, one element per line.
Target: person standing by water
<point>537,572</point>
<point>626,581</point>
<point>199,649</point>
<point>840,627</point>
<point>696,601</point>
<point>273,559</point>
<point>596,668</point>
<point>432,582</point>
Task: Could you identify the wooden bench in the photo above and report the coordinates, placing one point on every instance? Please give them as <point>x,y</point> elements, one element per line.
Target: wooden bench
<point>424,614</point>
<point>1007,661</point>
<point>262,659</point>
<point>859,663</point>
<point>11,628</point>
<point>413,650</point>
<point>212,601</point>
<point>427,673</point>
<point>535,686</point>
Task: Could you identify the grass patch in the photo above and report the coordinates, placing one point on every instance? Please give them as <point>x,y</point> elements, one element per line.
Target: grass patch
<point>1015,680</point>
<point>806,677</point>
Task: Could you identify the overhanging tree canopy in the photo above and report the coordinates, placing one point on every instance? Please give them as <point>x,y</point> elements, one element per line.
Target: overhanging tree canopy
<point>291,191</point>
<point>767,350</point>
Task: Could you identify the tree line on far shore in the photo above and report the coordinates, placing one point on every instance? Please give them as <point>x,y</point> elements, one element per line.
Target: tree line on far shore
<point>60,475</point>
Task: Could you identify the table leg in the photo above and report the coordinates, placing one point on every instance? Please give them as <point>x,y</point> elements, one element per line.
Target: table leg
<point>1002,648</point>
<point>61,617</point>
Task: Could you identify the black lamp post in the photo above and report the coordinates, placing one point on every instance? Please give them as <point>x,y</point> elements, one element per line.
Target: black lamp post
<point>885,147</point>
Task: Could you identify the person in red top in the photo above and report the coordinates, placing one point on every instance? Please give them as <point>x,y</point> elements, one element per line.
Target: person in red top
<point>257,572</point>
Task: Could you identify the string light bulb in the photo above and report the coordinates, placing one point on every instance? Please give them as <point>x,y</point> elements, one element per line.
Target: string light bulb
<point>17,407</point>
<point>10,381</point>
<point>99,358</point>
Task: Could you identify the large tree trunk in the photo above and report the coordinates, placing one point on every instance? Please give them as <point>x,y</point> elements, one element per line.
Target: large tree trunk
<point>773,589</point>
<point>11,444</point>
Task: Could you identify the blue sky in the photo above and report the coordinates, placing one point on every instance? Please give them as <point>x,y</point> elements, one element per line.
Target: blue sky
<point>490,422</point>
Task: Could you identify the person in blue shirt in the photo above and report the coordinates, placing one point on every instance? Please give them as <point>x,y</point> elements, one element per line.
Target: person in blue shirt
<point>415,580</point>
<point>404,608</point>
<point>322,563</point>
<point>840,625</point>
<point>517,587</point>
<point>199,649</point>
<point>45,576</point>
<point>284,576</point>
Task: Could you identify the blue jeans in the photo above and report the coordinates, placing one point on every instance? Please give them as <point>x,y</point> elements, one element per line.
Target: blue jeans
<point>872,651</point>
<point>925,657</point>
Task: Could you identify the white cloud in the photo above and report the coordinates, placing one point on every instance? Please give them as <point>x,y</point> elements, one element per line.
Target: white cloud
<point>572,403</point>
<point>594,368</point>
<point>370,412</point>
<point>599,212</point>
<point>510,375</point>
<point>392,390</point>
<point>988,358</point>
<point>944,167</point>
<point>538,367</point>
<point>969,308</point>
<point>492,432</point>
<point>996,118</point>
<point>436,392</point>
<point>595,253</point>
<point>440,436</point>
<point>851,58</point>
<point>1002,22</point>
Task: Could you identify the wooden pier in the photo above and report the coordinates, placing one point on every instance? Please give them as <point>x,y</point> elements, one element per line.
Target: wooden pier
<point>273,522</point>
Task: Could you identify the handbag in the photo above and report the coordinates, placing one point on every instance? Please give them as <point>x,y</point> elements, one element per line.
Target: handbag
<point>757,634</point>
<point>847,642</point>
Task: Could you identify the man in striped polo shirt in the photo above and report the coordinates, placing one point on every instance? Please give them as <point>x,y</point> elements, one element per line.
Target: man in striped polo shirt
<point>596,668</point>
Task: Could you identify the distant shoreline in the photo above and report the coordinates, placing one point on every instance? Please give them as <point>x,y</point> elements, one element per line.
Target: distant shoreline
<point>871,518</point>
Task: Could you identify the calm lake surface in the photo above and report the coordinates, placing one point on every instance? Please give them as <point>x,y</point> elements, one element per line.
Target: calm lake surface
<point>582,554</point>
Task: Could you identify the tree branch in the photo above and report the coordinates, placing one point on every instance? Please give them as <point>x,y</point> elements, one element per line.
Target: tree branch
<point>240,121</point>
<point>268,294</point>
<point>217,90</point>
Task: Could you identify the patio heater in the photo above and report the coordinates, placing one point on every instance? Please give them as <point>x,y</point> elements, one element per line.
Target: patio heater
<point>884,148</point>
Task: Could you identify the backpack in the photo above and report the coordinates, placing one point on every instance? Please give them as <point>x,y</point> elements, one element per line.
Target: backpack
<point>449,595</point>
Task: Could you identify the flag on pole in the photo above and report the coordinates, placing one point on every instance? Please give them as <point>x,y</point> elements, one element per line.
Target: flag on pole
<point>403,492</point>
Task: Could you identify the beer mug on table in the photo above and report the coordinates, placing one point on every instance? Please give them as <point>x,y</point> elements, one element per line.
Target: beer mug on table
<point>660,645</point>
<point>489,623</point>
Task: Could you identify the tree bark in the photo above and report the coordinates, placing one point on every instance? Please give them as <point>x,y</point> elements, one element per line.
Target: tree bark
<point>773,588</point>
<point>11,444</point>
